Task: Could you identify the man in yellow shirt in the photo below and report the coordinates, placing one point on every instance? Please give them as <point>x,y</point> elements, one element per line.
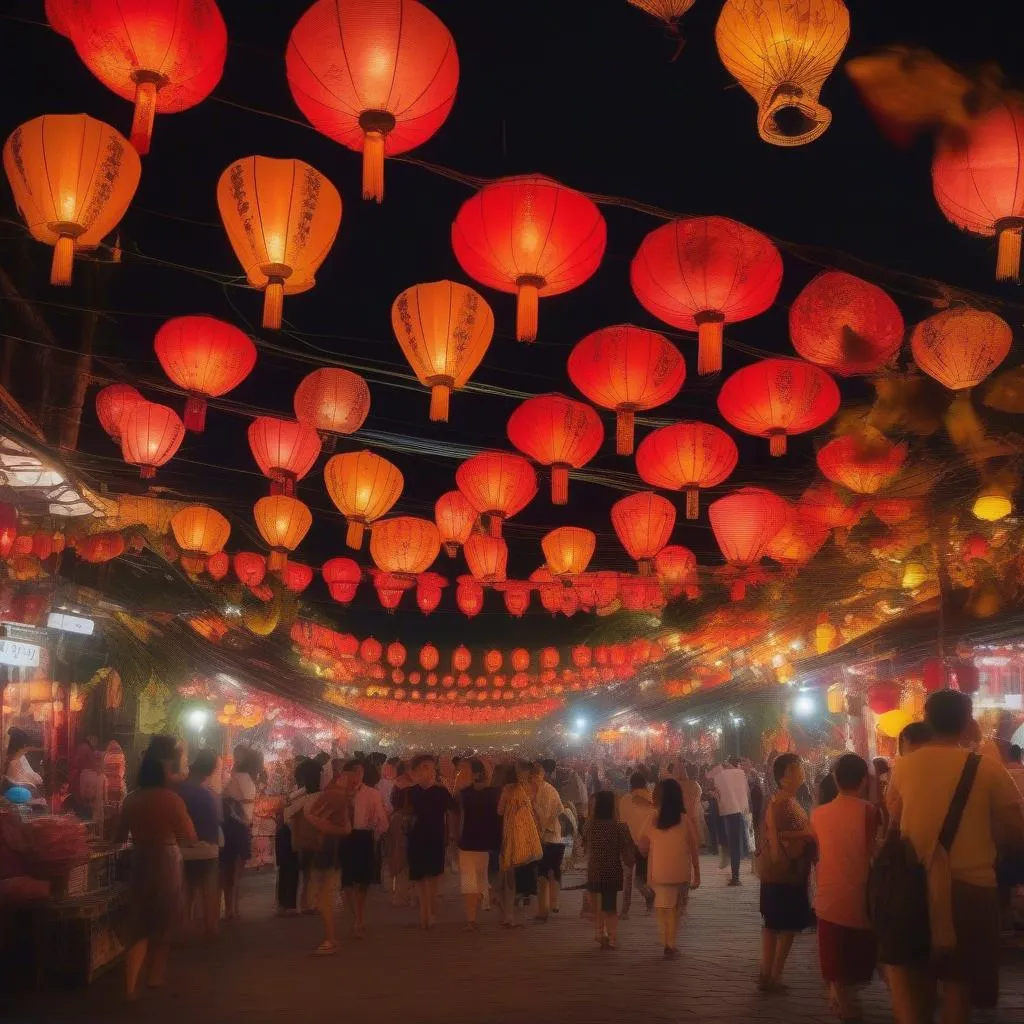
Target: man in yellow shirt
<point>920,791</point>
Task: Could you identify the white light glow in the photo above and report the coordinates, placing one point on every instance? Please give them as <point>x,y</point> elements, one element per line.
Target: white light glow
<point>197,719</point>
<point>804,706</point>
<point>581,724</point>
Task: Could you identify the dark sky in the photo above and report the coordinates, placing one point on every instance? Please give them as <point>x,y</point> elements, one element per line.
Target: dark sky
<point>581,90</point>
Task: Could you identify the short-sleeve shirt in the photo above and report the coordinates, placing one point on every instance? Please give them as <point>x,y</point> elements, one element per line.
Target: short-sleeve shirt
<point>203,808</point>
<point>429,807</point>
<point>547,805</point>
<point>481,823</point>
<point>156,816</point>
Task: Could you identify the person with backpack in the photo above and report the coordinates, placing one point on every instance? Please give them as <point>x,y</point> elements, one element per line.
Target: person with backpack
<point>949,805</point>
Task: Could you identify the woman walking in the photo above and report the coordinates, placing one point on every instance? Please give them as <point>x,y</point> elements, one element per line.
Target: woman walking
<point>429,803</point>
<point>479,838</point>
<point>239,804</point>
<point>520,842</point>
<point>608,848</point>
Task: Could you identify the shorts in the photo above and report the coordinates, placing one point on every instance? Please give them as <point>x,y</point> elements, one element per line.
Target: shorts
<point>847,954</point>
<point>202,874</point>
<point>357,856</point>
<point>668,897</point>
<point>608,896</point>
<point>551,862</point>
<point>975,961</point>
<point>473,870</point>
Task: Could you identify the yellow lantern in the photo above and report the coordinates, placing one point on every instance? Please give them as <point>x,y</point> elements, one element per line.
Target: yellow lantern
<point>200,532</point>
<point>892,723</point>
<point>363,487</point>
<point>781,53</point>
<point>825,634</point>
<point>991,505</point>
<point>914,574</point>
<point>912,701</point>
<point>835,698</point>
<point>282,522</point>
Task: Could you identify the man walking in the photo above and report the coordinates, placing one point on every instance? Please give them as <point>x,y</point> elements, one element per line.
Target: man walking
<point>733,804</point>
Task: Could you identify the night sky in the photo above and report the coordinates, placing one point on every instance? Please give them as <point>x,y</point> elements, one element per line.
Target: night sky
<point>581,90</point>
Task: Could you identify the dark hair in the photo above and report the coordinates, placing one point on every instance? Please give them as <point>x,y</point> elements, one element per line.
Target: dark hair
<point>549,765</point>
<point>604,805</point>
<point>322,758</point>
<point>947,712</point>
<point>457,760</point>
<point>418,760</point>
<point>377,758</point>
<point>670,804</point>
<point>850,771</point>
<point>828,790</point>
<point>393,761</point>
<point>152,773</point>
<point>240,758</point>
<point>353,764</point>
<point>638,781</point>
<point>917,733</point>
<point>478,769</point>
<point>781,766</point>
<point>162,747</point>
<point>308,775</point>
<point>300,767</point>
<point>203,765</point>
<point>17,739</point>
<point>1015,753</point>
<point>880,765</point>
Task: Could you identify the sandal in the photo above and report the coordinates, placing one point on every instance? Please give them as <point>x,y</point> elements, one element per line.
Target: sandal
<point>326,949</point>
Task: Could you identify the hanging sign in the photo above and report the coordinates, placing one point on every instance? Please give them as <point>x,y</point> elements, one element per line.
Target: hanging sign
<point>71,623</point>
<point>19,655</point>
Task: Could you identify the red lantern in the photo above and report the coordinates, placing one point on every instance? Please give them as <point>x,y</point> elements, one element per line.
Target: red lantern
<point>332,401</point>
<point>342,576</point>
<point>549,658</point>
<point>461,660</point>
<point>701,273</point>
<point>395,655</point>
<point>596,589</point>
<point>530,236</point>
<point>23,544</point>
<point>163,55</point>
<point>520,659</point>
<point>960,347</point>
<point>823,504</point>
<point>390,587</point>
<point>493,661</point>
<point>675,565</point>
<point>43,547</point>
<point>557,432</point>
<point>250,568</point>
<point>455,519</point>
<point>112,406</point>
<point>284,450</point>
<point>206,357</point>
<point>378,77</point>
<point>844,324</point>
<point>8,529</point>
<point>569,603</point>
<point>883,697</point>
<point>967,678</point>
<point>774,398</point>
<point>487,558</point>
<point>370,650</point>
<point>150,435</point>
<point>978,180</point>
<point>517,599</point>
<point>894,511</point>
<point>429,657</point>
<point>641,594</point>
<point>643,523</point>
<point>582,656</point>
<point>428,591</point>
<point>497,485</point>
<point>550,591</point>
<point>627,369</point>
<point>686,457</point>
<point>568,550</point>
<point>744,523</point>
<point>469,596</point>
<point>404,545</point>
<point>933,675</point>
<point>217,565</point>
<point>100,547</point>
<point>975,546</point>
<point>296,577</point>
<point>861,464</point>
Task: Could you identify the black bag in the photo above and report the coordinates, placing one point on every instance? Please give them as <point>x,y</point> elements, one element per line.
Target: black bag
<point>898,885</point>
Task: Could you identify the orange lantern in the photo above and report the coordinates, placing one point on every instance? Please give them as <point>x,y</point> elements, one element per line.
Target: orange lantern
<point>557,432</point>
<point>163,55</point>
<point>332,401</point>
<point>378,77</point>
<point>342,576</point>
<point>530,236</point>
<point>200,532</point>
<point>643,523</point>
<point>517,599</point>
<point>744,523</point>
<point>487,557</point>
<point>781,55</point>
<point>281,218</point>
<point>863,464</point>
<point>895,511</point>
<point>363,487</point>
<point>596,589</point>
<point>100,547</point>
<point>493,661</point>
<point>150,435</point>
<point>370,650</point>
<point>798,541</point>
<point>960,347</point>
<point>675,565</point>
<point>686,457</point>
<point>404,545</point>
<point>520,660</point>
<point>72,178</point>
<point>443,329</point>
<point>825,505</point>
<point>206,357</point>
<point>774,398</point>
<point>568,550</point>
<point>250,568</point>
<point>285,451</point>
<point>283,522</point>
<point>497,485</point>
<point>469,596</point>
<point>429,657</point>
<point>461,660</point>
<point>455,519</point>
<point>112,405</point>
<point>627,369</point>
<point>701,273</point>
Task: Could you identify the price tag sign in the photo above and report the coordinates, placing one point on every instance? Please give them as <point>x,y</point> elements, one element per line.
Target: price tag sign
<point>18,654</point>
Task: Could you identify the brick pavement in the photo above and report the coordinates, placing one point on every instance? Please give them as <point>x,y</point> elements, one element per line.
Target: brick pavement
<point>260,970</point>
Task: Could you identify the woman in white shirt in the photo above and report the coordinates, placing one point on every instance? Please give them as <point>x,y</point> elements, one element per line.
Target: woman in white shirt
<point>670,842</point>
<point>17,770</point>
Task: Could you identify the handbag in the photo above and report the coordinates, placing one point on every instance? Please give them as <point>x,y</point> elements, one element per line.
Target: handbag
<point>777,870</point>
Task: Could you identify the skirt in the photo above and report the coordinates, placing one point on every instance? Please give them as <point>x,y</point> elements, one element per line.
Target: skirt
<point>847,954</point>
<point>156,897</point>
<point>237,841</point>
<point>785,908</point>
<point>426,856</point>
<point>358,854</point>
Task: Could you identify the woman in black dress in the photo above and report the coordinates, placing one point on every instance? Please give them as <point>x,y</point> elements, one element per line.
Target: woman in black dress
<point>430,804</point>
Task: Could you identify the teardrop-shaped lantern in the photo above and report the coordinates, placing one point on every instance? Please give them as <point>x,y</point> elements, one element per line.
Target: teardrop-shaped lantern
<point>487,558</point>
<point>404,545</point>
<point>200,531</point>
<point>342,576</point>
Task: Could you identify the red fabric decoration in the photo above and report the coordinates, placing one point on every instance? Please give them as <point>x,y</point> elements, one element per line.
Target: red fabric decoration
<point>497,485</point>
<point>112,405</point>
<point>960,347</point>
<point>643,523</point>
<point>863,465</point>
<point>150,435</point>
<point>250,568</point>
<point>342,576</point>
<point>285,451</point>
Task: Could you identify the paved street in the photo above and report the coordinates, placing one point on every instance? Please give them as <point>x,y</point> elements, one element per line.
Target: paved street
<point>261,971</point>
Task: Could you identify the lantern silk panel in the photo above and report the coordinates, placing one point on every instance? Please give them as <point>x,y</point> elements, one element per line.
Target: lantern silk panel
<point>568,550</point>
<point>112,405</point>
<point>150,435</point>
<point>284,450</point>
<point>455,518</point>
<point>497,484</point>
<point>746,521</point>
<point>643,523</point>
<point>404,545</point>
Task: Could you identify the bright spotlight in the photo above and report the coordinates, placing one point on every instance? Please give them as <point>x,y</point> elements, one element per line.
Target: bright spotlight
<point>804,706</point>
<point>581,724</point>
<point>197,719</point>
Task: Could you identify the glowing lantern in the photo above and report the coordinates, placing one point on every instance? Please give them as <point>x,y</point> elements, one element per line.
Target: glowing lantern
<point>825,635</point>
<point>798,541</point>
<point>914,574</point>
<point>363,487</point>
<point>206,357</point>
<point>404,545</point>
<point>627,369</point>
<point>217,565</point>
<point>978,181</point>
<point>443,329</point>
<point>835,699</point>
<point>395,655</point>
<point>549,658</point>
<point>991,505</point>
<point>429,657</point>
<point>284,450</point>
<point>845,324</point>
<point>342,576</point>
<point>497,485</point>
<point>370,650</point>
<point>596,589</point>
<point>378,77</point>
<point>428,591</point>
<point>641,593</point>
<point>568,550</point>
<point>892,723</point>
<point>781,55</point>
<point>200,532</point>
<point>775,398</point>
<point>249,568</point>
<point>150,435</point>
<point>493,661</point>
<point>72,178</point>
<point>281,218</point>
<point>100,547</point>
<point>461,659</point>
<point>675,565</point>
<point>686,457</point>
<point>296,577</point>
<point>469,596</point>
<point>58,14</point>
<point>960,347</point>
<point>23,544</point>
<point>643,523</point>
<point>557,432</point>
<point>883,697</point>
<point>332,401</point>
<point>517,599</point>
<point>550,591</point>
<point>520,659</point>
<point>894,511</point>
<point>455,519</point>
<point>112,405</point>
<point>744,523</point>
<point>163,55</point>
<point>860,463</point>
<point>582,656</point>
<point>702,273</point>
<point>282,522</point>
<point>824,505</point>
<point>530,236</point>
<point>487,557</point>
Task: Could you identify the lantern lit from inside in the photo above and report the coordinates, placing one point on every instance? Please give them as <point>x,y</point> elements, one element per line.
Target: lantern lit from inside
<point>701,273</point>
<point>469,596</point>
<point>781,54</point>
<point>960,347</point>
<point>342,576</point>
<point>643,523</point>
<point>378,76</point>
<point>405,545</point>
<point>675,565</point>
<point>744,524</point>
<point>497,485</point>
<point>206,357</point>
<point>281,218</point>
<point>443,329</point>
<point>284,450</point>
<point>162,55</point>
<point>283,522</point>
<point>991,505</point>
<point>863,463</point>
<point>363,487</point>
<point>530,236</point>
<point>568,550</point>
<point>150,435</point>
<point>487,557</point>
<point>249,568</point>
<point>112,405</point>
<point>455,519</point>
<point>72,178</point>
<point>200,532</point>
<point>332,400</point>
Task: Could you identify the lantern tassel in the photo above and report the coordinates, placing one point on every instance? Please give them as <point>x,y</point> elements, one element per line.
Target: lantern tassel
<point>439,396</point>
<point>692,502</point>
<point>645,567</point>
<point>142,120</point>
<point>147,472</point>
<point>373,166</point>
<point>451,549</point>
<point>624,432</point>
<point>495,525</point>
<point>195,414</point>
<point>277,560</point>
<point>710,331</point>
<point>273,304</point>
<point>777,442</point>
<point>527,310</point>
<point>354,535</point>
<point>63,256</point>
<point>559,485</point>
<point>1008,253</point>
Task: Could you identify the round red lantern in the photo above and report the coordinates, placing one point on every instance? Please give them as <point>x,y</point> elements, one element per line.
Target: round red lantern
<point>497,485</point>
<point>250,568</point>
<point>370,650</point>
<point>112,405</point>
<point>428,591</point>
<point>675,565</point>
<point>487,558</point>
<point>461,659</point>
<point>429,657</point>
<point>967,678</point>
<point>296,577</point>
<point>469,596</point>
<point>643,523</point>
<point>933,675</point>
<point>744,523</point>
<point>332,401</point>
<point>150,436</point>
<point>520,659</point>
<point>493,661</point>
<point>455,519</point>
<point>883,697</point>
<point>217,565</point>
<point>342,576</point>
<point>285,451</point>
<point>960,347</point>
<point>517,599</point>
<point>395,655</point>
<point>861,463</point>
<point>549,658</point>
